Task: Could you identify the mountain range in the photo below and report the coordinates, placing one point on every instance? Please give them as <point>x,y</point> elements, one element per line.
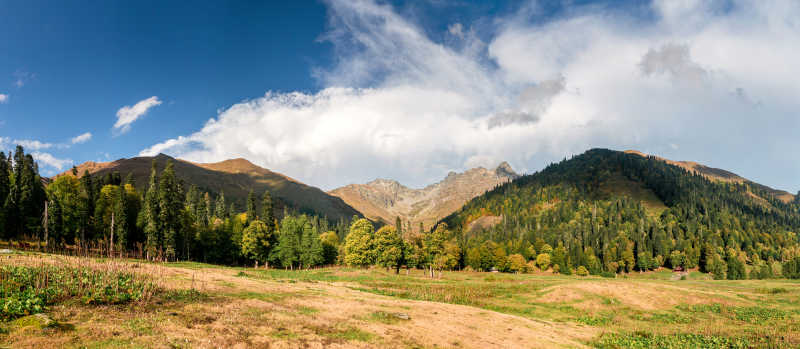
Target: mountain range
<point>385,200</point>
<point>235,178</point>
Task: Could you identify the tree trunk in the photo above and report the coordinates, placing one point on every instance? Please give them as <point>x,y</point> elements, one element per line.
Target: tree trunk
<point>46,232</point>
<point>111,245</point>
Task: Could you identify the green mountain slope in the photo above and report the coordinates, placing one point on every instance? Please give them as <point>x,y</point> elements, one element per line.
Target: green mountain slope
<point>621,211</point>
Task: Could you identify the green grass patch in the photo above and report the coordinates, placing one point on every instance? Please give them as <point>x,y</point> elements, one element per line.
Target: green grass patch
<point>681,340</point>
<point>600,320</point>
<point>385,317</point>
<point>267,297</point>
<point>284,334</point>
<point>349,334</point>
<point>140,326</point>
<point>774,290</point>
<point>307,310</point>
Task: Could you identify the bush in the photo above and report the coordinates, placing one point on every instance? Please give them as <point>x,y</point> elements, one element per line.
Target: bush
<point>582,271</point>
<point>608,274</point>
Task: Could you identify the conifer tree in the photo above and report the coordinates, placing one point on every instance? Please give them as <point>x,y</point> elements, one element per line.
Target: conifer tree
<point>55,222</point>
<point>251,207</point>
<point>311,253</point>
<point>121,228</point>
<point>87,207</point>
<point>267,215</point>
<point>170,205</point>
<point>220,207</point>
<point>209,212</point>
<point>151,216</point>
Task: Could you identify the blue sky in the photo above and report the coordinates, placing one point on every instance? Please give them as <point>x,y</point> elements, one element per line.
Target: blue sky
<point>337,92</point>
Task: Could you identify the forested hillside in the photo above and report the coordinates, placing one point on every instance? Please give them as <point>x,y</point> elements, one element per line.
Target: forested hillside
<point>609,211</point>
<point>235,178</point>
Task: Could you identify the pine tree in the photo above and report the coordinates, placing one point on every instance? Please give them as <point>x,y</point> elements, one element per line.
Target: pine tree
<point>267,215</point>
<point>121,228</point>
<point>170,205</point>
<point>221,212</point>
<point>311,252</point>
<point>87,207</point>
<point>251,207</point>
<point>129,179</point>
<point>209,212</point>
<point>150,216</point>
<point>55,222</point>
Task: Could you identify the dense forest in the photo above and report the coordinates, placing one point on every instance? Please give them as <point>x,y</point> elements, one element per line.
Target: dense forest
<point>164,221</point>
<point>565,218</point>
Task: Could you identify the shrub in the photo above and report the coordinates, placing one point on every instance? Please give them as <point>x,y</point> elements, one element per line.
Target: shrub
<point>582,271</point>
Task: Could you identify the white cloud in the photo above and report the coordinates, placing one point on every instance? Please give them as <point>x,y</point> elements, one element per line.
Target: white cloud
<point>22,77</point>
<point>3,98</point>
<point>48,159</point>
<point>29,144</point>
<point>398,104</point>
<point>82,138</point>
<point>128,114</point>
<point>456,29</point>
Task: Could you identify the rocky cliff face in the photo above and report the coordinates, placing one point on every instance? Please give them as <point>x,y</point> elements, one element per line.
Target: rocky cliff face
<point>386,199</point>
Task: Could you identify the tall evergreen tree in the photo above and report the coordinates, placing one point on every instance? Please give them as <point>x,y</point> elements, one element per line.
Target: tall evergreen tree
<point>251,207</point>
<point>209,208</point>
<point>267,215</point>
<point>55,222</point>
<point>121,228</point>
<point>170,202</point>
<point>151,223</point>
<point>89,197</point>
<point>311,253</point>
<point>221,212</point>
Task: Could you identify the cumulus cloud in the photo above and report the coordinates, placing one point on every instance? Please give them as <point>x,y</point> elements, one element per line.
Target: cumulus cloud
<point>3,98</point>
<point>128,114</point>
<point>82,138</point>
<point>673,59</point>
<point>400,104</point>
<point>48,159</point>
<point>33,144</point>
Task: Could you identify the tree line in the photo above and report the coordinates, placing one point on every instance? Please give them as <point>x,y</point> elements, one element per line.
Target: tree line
<point>561,219</point>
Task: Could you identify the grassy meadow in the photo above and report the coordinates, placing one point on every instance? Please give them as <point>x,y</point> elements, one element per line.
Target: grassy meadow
<point>99,303</point>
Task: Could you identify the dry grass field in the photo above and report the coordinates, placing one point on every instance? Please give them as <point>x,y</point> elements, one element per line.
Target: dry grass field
<point>205,306</point>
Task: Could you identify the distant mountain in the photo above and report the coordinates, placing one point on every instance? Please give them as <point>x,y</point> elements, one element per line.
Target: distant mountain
<point>386,199</point>
<point>234,177</point>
